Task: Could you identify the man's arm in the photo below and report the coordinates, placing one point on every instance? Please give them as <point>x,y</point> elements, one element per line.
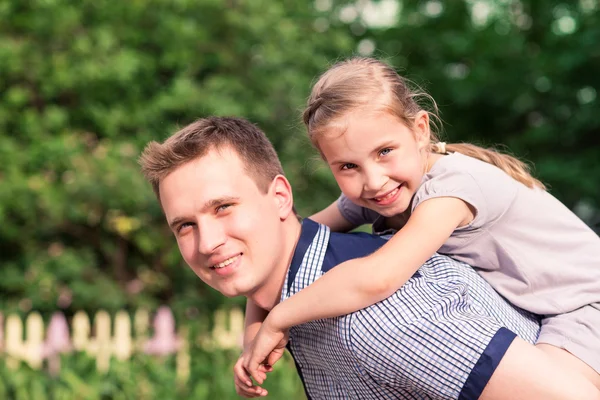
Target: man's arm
<point>527,373</point>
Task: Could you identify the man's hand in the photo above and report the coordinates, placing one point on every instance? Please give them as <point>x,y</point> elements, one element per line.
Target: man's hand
<point>264,351</point>
<point>243,381</point>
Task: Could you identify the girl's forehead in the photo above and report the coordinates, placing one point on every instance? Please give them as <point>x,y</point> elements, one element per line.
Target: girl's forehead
<point>340,124</point>
<point>371,116</point>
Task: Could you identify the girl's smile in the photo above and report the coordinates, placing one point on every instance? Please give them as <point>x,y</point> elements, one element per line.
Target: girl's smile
<point>389,197</point>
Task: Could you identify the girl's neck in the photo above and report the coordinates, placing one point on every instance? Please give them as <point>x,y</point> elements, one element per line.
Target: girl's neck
<point>432,158</point>
<point>398,221</point>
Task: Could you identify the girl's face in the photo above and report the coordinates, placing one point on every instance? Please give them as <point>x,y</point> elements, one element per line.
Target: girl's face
<point>377,161</point>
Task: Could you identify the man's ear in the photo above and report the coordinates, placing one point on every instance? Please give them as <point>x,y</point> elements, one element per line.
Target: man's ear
<point>421,129</point>
<point>282,193</point>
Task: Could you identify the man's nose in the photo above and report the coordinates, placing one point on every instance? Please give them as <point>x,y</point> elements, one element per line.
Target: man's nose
<point>210,237</point>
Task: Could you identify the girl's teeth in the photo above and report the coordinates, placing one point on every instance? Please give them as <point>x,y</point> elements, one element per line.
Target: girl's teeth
<point>387,196</point>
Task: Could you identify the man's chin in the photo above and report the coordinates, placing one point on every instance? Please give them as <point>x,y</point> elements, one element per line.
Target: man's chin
<point>234,292</point>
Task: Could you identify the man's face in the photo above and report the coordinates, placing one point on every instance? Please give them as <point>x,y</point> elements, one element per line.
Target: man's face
<point>229,232</point>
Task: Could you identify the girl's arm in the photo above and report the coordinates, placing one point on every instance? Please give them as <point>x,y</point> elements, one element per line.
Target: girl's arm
<point>333,218</point>
<point>358,283</point>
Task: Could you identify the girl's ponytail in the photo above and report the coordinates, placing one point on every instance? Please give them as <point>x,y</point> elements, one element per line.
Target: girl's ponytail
<point>517,169</point>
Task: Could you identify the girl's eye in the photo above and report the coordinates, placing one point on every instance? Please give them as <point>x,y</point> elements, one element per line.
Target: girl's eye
<point>384,152</point>
<point>348,166</point>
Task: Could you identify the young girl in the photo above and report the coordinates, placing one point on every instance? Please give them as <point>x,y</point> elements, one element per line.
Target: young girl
<point>473,204</point>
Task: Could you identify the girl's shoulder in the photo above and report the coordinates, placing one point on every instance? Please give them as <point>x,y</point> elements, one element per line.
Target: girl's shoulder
<point>456,166</point>
<point>483,186</point>
<point>460,163</point>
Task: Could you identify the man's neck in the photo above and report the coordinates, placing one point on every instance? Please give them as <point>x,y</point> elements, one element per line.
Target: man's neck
<point>269,294</point>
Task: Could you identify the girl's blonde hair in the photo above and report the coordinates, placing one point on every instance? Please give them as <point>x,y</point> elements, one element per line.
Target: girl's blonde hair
<point>369,84</point>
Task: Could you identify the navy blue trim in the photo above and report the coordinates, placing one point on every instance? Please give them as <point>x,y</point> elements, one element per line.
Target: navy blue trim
<point>347,246</point>
<point>486,365</point>
<point>307,234</point>
<point>298,369</point>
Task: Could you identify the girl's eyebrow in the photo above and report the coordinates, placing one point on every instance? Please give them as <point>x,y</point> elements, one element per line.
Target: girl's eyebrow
<point>387,143</point>
<point>384,144</point>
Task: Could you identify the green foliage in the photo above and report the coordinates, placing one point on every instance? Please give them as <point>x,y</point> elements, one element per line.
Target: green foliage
<point>86,86</point>
<point>142,378</point>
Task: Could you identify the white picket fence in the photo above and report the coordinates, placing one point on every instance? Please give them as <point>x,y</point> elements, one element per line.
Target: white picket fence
<point>105,337</point>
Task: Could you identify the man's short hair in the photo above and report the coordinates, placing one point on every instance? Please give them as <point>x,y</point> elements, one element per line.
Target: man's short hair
<point>198,138</point>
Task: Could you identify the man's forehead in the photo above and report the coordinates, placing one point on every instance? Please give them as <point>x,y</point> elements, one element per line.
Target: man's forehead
<point>236,164</point>
<point>223,159</point>
<point>216,175</point>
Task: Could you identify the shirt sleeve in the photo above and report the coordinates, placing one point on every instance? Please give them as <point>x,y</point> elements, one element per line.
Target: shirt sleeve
<point>458,184</point>
<point>355,214</point>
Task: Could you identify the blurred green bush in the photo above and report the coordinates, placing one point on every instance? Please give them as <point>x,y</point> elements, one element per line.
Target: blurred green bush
<point>142,378</point>
<point>86,86</point>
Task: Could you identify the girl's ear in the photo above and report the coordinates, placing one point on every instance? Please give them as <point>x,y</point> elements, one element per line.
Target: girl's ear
<point>421,129</point>
<point>281,191</point>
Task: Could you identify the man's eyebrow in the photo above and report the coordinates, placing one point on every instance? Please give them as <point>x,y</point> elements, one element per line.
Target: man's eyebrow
<point>209,204</point>
<point>176,222</point>
<point>338,162</point>
<point>220,201</point>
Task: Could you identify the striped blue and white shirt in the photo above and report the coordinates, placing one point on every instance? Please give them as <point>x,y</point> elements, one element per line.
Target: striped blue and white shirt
<point>441,336</point>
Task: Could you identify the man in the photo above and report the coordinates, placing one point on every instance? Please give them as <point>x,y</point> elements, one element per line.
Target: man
<point>444,335</point>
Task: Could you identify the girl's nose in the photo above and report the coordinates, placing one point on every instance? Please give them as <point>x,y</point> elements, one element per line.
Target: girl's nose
<point>374,181</point>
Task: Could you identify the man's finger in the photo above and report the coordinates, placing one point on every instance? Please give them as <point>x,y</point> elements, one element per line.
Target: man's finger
<point>249,391</point>
<point>257,375</point>
<point>273,358</point>
<point>265,368</point>
<point>241,373</point>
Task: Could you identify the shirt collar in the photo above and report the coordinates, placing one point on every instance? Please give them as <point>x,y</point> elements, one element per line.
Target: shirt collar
<point>313,234</point>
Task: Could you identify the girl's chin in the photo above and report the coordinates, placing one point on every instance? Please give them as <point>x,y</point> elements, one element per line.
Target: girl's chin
<point>391,210</point>
<point>388,213</point>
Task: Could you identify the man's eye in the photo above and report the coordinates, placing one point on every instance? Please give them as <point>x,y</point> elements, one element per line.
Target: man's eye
<point>183,226</point>
<point>223,207</point>
<point>348,166</point>
<point>384,152</point>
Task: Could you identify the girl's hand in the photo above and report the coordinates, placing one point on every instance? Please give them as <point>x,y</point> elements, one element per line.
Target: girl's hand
<point>243,381</point>
<point>265,350</point>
